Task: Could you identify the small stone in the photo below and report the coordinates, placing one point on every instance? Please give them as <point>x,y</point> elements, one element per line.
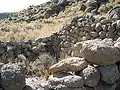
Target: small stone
<point>98,27</point>
<point>118,40</point>
<point>84,38</point>
<point>106,21</point>
<point>67,44</point>
<point>81,33</point>
<point>104,27</point>
<point>111,29</point>
<point>118,24</point>
<point>94,34</point>
<point>109,35</point>
<point>117,44</point>
<point>88,36</point>
<point>102,34</point>
<point>93,26</point>
<point>87,28</point>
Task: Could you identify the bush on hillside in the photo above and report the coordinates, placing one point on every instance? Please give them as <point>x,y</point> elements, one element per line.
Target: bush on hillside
<point>105,7</point>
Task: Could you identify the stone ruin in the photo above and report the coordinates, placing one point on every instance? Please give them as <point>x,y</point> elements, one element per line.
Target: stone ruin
<point>90,55</point>
<point>94,65</point>
<point>89,47</point>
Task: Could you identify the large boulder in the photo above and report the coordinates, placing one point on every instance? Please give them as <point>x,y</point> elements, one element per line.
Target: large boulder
<point>63,81</point>
<point>69,64</point>
<point>114,13</point>
<point>12,77</point>
<point>109,74</point>
<point>91,76</point>
<point>100,52</point>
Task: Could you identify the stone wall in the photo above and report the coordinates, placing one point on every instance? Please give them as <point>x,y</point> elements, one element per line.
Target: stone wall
<point>95,65</point>
<point>60,45</point>
<point>87,27</point>
<point>10,50</point>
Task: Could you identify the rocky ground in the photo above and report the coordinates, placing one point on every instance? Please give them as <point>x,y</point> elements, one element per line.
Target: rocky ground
<point>83,54</point>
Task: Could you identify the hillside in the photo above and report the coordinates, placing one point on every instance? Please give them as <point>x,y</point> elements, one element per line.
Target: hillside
<point>36,21</point>
<point>61,45</point>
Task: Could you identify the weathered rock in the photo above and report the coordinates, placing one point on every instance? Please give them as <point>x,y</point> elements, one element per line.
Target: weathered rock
<point>102,34</point>
<point>114,12</point>
<point>105,86</point>
<point>12,77</point>
<point>89,88</point>
<point>63,87</point>
<point>69,64</point>
<point>104,27</point>
<point>106,21</point>
<point>117,44</point>
<point>1,64</point>
<point>36,83</point>
<point>111,29</point>
<point>98,27</point>
<point>109,74</point>
<point>118,24</point>
<point>118,40</point>
<point>66,79</point>
<point>27,88</point>
<point>109,35</point>
<point>63,2</point>
<point>94,34</point>
<point>100,52</point>
<point>91,5</point>
<point>47,13</point>
<point>91,76</point>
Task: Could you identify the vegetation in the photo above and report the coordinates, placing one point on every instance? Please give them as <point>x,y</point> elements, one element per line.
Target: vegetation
<point>106,7</point>
<point>25,31</point>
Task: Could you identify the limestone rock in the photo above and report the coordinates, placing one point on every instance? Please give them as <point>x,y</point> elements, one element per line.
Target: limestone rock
<point>109,74</point>
<point>91,76</point>
<point>106,21</point>
<point>100,52</point>
<point>69,64</point>
<point>47,13</point>
<point>98,27</point>
<point>66,80</point>
<point>12,77</point>
<point>102,34</point>
<point>114,12</point>
<point>117,44</point>
<point>91,5</point>
<point>105,86</point>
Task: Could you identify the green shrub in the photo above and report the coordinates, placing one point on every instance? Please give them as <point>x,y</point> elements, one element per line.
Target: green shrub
<point>104,8</point>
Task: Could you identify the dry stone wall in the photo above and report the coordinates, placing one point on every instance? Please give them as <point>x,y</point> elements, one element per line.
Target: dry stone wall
<point>60,45</point>
<point>9,51</point>
<point>87,27</point>
<point>96,68</point>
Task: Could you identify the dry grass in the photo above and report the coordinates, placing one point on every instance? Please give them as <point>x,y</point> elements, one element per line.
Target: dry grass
<point>25,31</point>
<point>71,11</point>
